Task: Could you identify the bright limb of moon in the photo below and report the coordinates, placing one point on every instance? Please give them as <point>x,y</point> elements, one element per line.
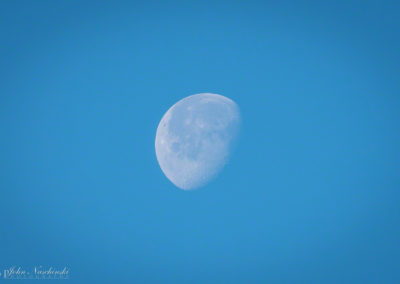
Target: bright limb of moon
<point>194,139</point>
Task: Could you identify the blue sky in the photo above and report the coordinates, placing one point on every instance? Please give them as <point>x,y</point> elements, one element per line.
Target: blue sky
<point>311,194</point>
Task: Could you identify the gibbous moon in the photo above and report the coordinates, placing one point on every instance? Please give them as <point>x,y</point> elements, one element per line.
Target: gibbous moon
<point>194,139</point>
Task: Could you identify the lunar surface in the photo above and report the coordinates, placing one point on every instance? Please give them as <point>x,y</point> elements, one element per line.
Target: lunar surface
<point>195,137</point>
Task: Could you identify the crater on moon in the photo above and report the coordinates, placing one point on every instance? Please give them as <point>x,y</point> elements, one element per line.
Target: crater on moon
<point>194,139</point>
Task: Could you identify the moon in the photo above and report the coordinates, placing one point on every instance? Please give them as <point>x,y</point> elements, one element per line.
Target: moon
<point>195,137</point>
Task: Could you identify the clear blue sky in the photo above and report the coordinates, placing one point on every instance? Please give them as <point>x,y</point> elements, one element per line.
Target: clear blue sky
<point>311,194</point>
